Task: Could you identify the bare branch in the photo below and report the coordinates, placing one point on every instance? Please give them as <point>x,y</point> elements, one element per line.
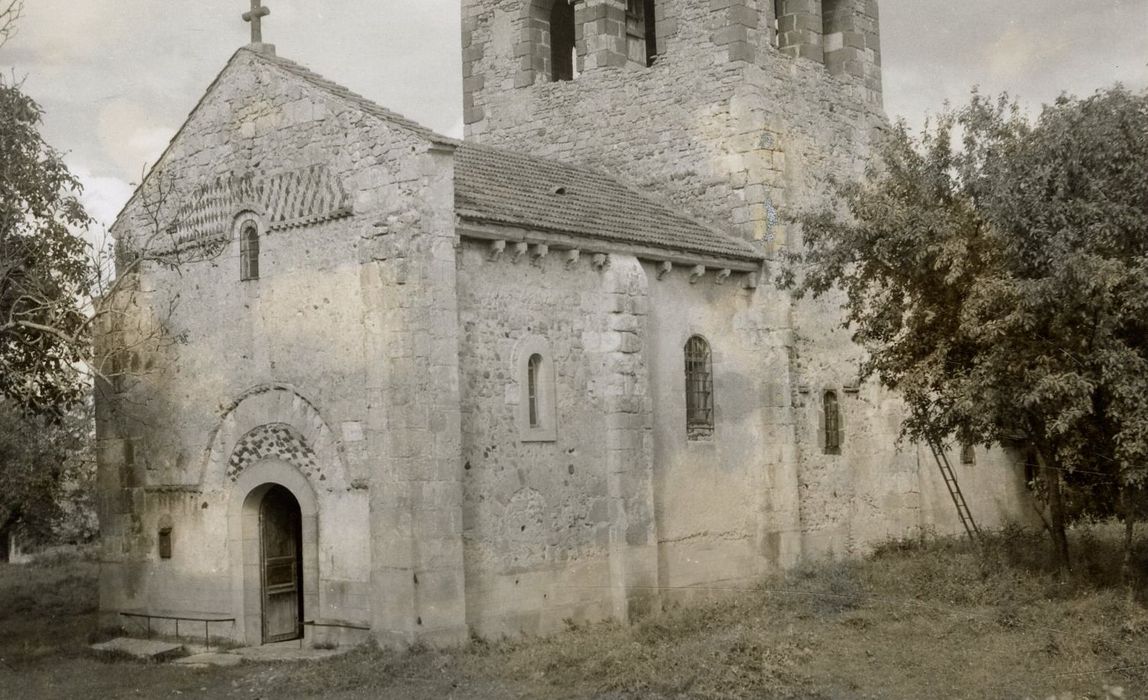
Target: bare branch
<point>9,15</point>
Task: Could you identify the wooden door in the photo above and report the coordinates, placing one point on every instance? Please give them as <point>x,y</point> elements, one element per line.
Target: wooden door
<point>280,535</point>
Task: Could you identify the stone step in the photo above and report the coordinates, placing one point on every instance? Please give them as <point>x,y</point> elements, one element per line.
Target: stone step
<point>208,659</point>
<point>148,649</point>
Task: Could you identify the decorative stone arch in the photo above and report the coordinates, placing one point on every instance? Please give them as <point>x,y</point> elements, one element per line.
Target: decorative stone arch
<point>244,498</point>
<point>247,213</point>
<point>248,210</point>
<point>274,421</point>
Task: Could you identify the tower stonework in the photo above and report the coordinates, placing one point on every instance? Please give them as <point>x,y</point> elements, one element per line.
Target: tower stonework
<point>734,121</point>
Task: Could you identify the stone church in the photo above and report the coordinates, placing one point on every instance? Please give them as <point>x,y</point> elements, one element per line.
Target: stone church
<point>421,388</point>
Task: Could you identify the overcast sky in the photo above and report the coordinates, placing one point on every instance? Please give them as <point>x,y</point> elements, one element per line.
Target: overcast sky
<point>118,77</point>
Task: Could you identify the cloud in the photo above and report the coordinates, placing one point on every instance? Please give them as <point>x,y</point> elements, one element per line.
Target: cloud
<point>118,77</point>
<point>937,50</point>
<point>130,137</point>
<point>103,196</point>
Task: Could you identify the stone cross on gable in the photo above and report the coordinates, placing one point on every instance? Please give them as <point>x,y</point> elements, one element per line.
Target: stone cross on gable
<point>255,17</point>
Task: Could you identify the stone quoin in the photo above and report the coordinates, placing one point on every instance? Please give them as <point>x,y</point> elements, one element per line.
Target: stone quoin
<point>425,388</point>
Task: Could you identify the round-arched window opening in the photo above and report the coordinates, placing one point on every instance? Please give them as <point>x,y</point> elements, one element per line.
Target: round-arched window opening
<point>533,368</point>
<point>249,251</point>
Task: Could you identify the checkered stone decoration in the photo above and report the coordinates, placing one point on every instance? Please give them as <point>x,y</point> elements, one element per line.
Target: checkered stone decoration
<point>274,441</point>
<point>286,200</point>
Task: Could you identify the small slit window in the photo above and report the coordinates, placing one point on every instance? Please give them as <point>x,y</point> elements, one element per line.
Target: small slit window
<point>832,423</point>
<point>699,389</point>
<point>563,51</point>
<point>968,454</point>
<point>249,252</point>
<point>165,542</point>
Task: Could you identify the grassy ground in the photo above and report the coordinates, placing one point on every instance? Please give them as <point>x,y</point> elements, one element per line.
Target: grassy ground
<point>916,620</point>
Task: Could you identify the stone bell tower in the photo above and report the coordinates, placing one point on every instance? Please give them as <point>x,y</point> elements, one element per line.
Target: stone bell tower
<point>741,113</point>
<point>724,107</point>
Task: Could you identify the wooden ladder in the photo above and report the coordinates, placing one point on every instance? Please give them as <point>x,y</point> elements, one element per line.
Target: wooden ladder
<point>950,478</point>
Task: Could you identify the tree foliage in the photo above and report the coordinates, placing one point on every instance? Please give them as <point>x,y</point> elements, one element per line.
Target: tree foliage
<point>46,470</point>
<point>45,270</point>
<point>996,270</point>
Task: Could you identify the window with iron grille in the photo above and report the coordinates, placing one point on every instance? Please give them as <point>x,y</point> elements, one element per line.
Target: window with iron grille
<point>832,424</point>
<point>699,389</point>
<point>533,367</point>
<point>249,253</point>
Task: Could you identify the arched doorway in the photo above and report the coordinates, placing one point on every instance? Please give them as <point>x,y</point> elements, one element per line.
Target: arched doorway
<point>281,565</point>
<point>250,499</point>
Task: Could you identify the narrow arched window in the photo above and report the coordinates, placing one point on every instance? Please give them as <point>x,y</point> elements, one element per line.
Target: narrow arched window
<point>533,397</point>
<point>562,41</point>
<point>832,423</point>
<point>249,252</point>
<point>699,389</point>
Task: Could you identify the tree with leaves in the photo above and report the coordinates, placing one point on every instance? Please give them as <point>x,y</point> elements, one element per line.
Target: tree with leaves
<point>57,294</point>
<point>46,474</point>
<point>45,271</point>
<point>996,271</point>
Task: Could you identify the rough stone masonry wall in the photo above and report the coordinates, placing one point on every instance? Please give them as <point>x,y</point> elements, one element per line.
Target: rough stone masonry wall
<point>295,347</point>
<point>726,507</point>
<point>742,135</point>
<point>555,528</point>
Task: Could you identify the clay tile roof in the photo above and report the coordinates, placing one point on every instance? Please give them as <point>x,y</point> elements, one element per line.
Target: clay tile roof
<point>502,187</point>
